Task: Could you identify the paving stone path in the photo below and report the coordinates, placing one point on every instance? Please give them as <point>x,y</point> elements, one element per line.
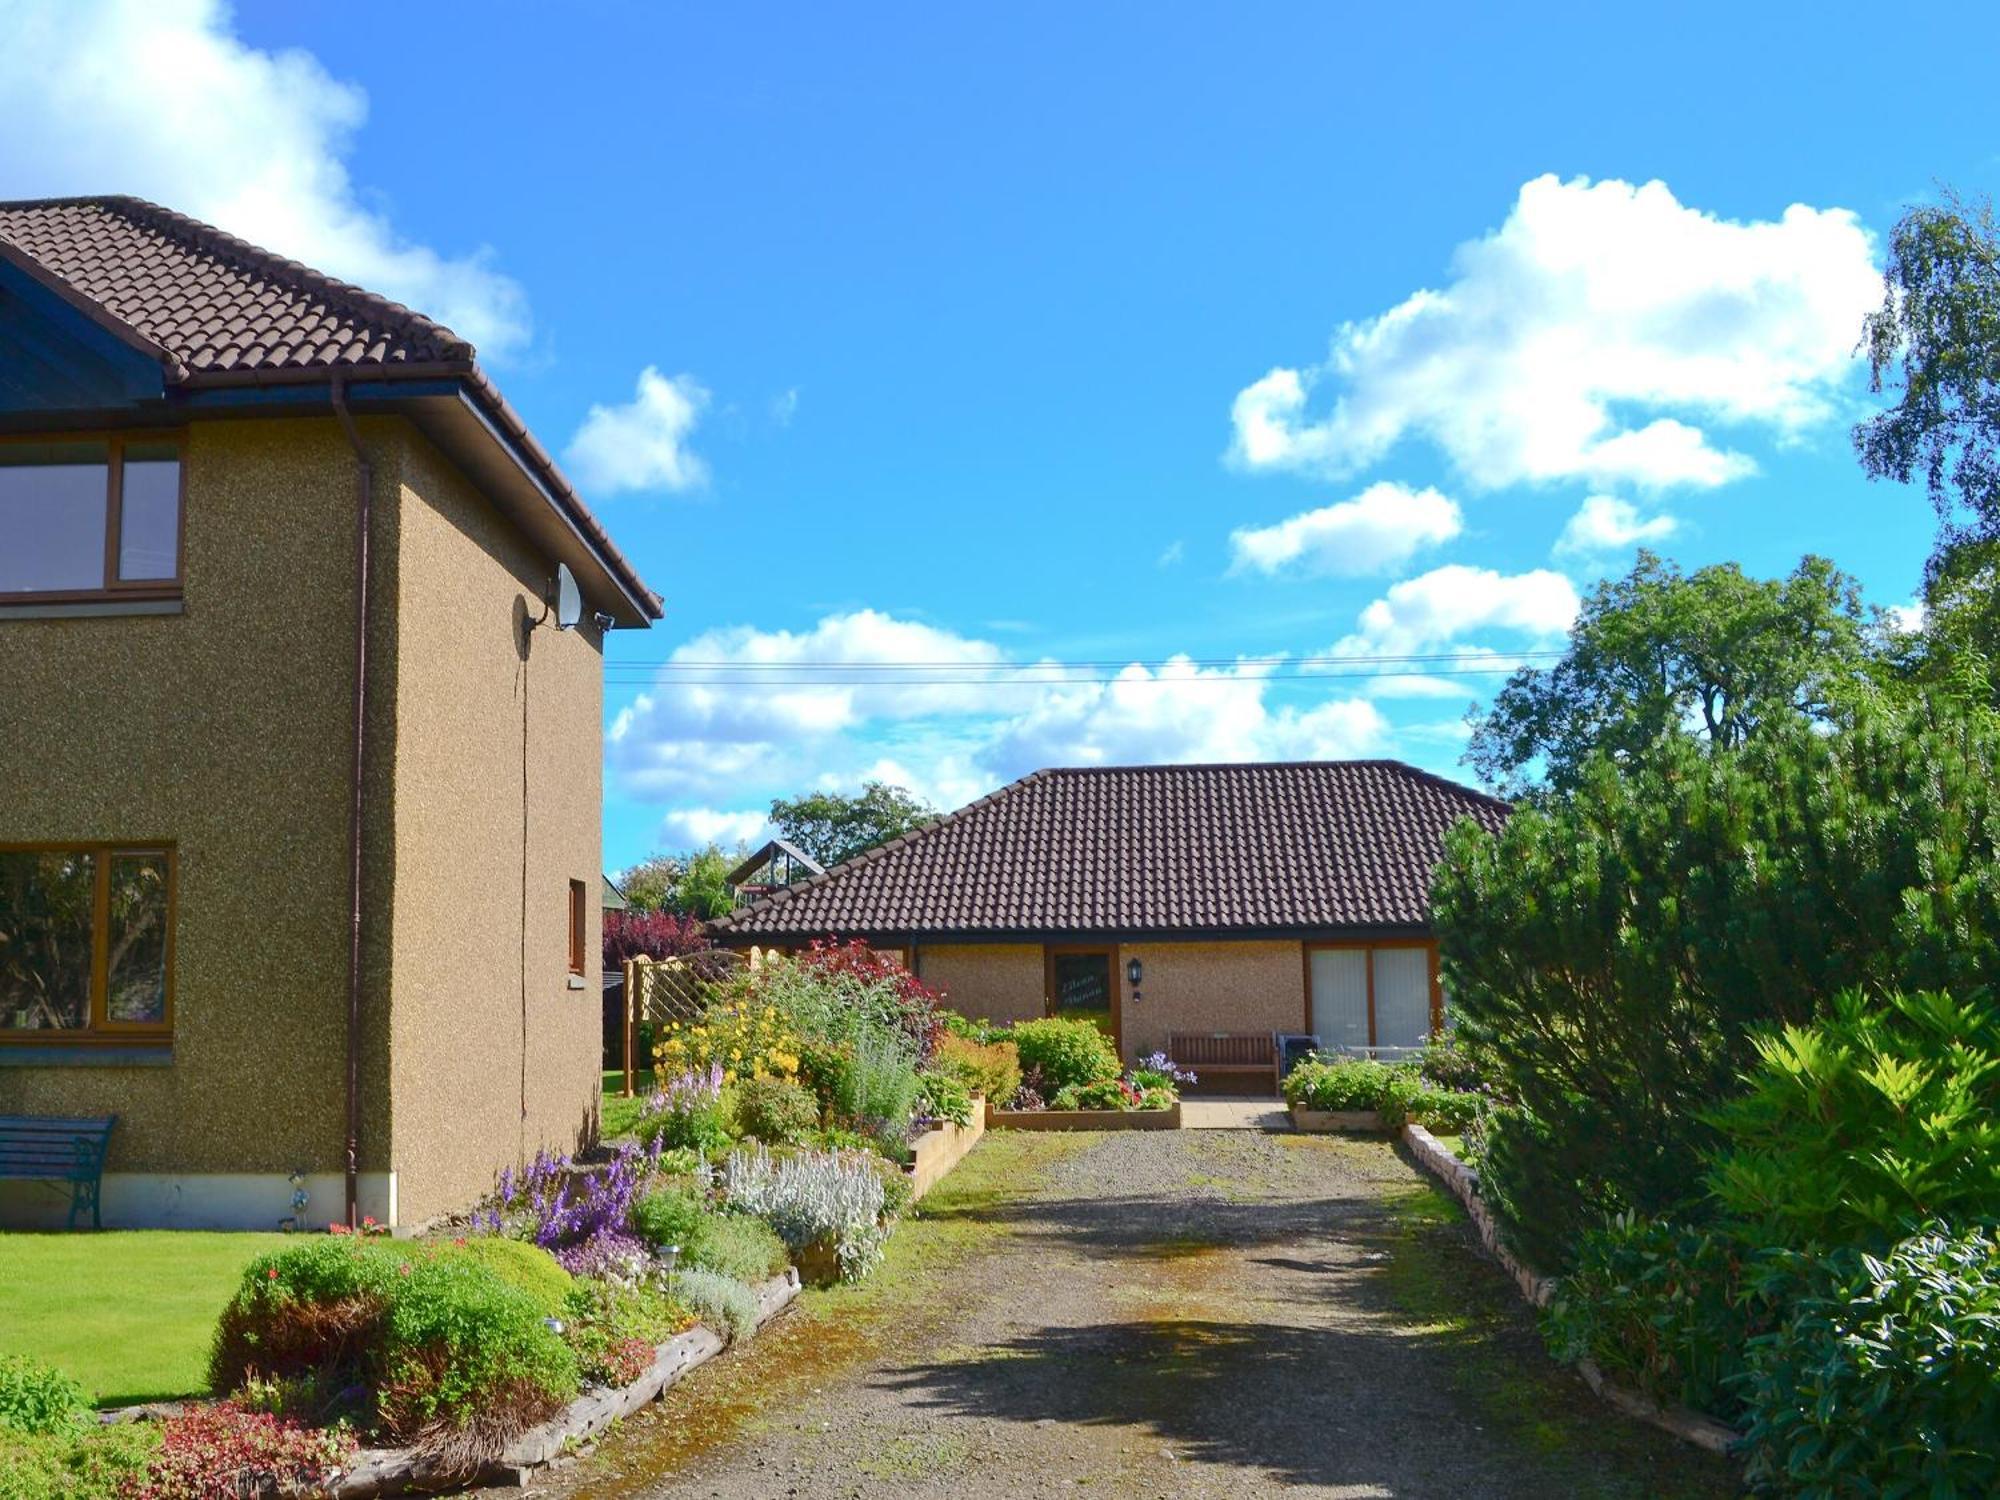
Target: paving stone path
<point>1198,1313</point>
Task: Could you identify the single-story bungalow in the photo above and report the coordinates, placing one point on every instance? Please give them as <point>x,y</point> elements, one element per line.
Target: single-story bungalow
<point>1241,899</point>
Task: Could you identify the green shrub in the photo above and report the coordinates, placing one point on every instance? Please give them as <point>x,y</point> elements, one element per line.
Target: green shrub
<point>1659,1307</point>
<point>1406,1097</point>
<point>945,1098</point>
<point>1861,1126</point>
<point>1880,1382</point>
<point>1104,1094</point>
<point>1347,1083</point>
<point>722,1302</point>
<point>85,1462</point>
<point>689,1112</point>
<point>670,1216</point>
<point>980,1031</point>
<point>459,1358</point>
<point>992,1068</point>
<point>37,1398</point>
<point>739,1247</point>
<point>774,1110</point>
<point>1065,1052</point>
<point>1450,1062</point>
<point>873,1087</point>
<point>525,1267</point>
<point>613,1331</point>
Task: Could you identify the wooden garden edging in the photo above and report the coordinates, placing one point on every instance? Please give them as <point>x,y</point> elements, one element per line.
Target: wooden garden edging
<point>1084,1119</point>
<point>1325,1121</point>
<point>393,1471</point>
<point>943,1147</point>
<point>1689,1426</point>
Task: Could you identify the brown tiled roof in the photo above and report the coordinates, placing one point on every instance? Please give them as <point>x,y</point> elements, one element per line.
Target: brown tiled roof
<point>219,310</point>
<point>1301,847</point>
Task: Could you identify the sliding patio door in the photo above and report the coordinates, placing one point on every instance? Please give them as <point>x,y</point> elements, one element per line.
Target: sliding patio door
<point>1371,995</point>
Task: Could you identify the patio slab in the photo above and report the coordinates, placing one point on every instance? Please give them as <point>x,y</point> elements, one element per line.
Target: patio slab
<point>1223,1113</point>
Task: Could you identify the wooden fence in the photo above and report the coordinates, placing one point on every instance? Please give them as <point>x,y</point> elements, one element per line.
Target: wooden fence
<point>658,990</point>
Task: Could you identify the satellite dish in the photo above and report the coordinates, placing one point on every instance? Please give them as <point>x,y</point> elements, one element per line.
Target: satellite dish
<point>569,599</point>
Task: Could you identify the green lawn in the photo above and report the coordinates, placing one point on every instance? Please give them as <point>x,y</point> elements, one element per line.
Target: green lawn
<point>620,1115</point>
<point>127,1312</point>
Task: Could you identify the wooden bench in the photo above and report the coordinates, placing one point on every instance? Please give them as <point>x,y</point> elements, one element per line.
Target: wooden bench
<point>46,1148</point>
<point>1253,1054</point>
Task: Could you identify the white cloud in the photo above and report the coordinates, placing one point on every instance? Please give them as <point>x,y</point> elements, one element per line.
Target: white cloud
<point>1381,528</point>
<point>1437,608</point>
<point>159,98</point>
<point>1587,338</point>
<point>1907,619</point>
<point>694,827</point>
<point>703,736</point>
<point>1173,553</point>
<point>642,445</point>
<point>1604,523</point>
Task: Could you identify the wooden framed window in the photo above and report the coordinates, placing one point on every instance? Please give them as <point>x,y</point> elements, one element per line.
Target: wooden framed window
<point>90,518</point>
<point>86,942</point>
<point>1374,996</point>
<point>577,910</point>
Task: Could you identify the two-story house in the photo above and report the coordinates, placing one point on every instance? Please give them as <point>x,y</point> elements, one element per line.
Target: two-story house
<point>300,758</point>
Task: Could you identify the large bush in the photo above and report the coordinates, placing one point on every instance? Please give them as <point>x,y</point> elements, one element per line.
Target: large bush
<point>1614,950</point>
<point>1065,1053</point>
<point>458,1359</point>
<point>1858,1127</point>
<point>989,1068</point>
<point>1881,1381</point>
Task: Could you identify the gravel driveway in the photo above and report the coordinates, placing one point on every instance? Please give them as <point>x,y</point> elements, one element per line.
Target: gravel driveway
<point>1192,1313</point>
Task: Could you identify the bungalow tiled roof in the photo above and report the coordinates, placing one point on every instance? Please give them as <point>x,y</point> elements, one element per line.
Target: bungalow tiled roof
<point>1225,849</point>
<point>217,310</point>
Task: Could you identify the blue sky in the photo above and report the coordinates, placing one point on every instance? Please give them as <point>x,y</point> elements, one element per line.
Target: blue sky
<point>1019,335</point>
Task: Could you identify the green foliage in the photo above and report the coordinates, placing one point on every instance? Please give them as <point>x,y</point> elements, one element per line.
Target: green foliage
<point>1105,1093</point>
<point>945,1097</point>
<point>722,1302</point>
<point>992,1068</point>
<point>1450,1062</point>
<point>1880,1382</point>
<point>1658,650</point>
<point>1348,1083</point>
<point>1856,1128</point>
<point>1065,1052</point>
<point>37,1398</point>
<point>80,1462</point>
<point>670,1216</point>
<point>774,1110</point>
<point>874,1086</point>
<point>1660,1308</point>
<point>833,828</point>
<point>703,890</point>
<point>452,1349</point>
<point>737,1246</point>
<point>649,885</point>
<point>982,1031</point>
<point>610,1328</point>
<point>523,1266</point>
<point>685,1117</point>
<point>1615,949</point>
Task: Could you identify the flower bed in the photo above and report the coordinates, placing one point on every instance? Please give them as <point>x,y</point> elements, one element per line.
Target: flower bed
<point>1057,1074</point>
<point>1168,1118</point>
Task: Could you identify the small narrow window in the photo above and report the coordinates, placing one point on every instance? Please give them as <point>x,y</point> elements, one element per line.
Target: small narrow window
<point>86,942</point>
<point>576,925</point>
<point>93,519</point>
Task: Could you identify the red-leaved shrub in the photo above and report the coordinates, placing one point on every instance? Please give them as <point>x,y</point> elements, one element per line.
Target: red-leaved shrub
<point>649,934</point>
<point>919,1018</point>
<point>207,1452</point>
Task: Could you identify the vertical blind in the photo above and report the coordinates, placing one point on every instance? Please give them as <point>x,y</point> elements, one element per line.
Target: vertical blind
<point>1340,996</point>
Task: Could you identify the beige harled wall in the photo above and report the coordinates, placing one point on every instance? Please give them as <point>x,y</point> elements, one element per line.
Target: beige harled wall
<point>1233,986</point>
<point>998,982</point>
<point>225,730</point>
<point>499,765</point>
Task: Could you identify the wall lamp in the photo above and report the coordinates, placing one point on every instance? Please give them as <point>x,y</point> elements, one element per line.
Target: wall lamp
<point>1134,972</point>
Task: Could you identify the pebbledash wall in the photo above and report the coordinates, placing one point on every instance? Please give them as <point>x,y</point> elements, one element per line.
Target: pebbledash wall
<point>1238,986</point>
<point>223,728</point>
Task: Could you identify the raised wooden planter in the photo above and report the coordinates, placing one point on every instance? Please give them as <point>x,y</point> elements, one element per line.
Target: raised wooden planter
<point>938,1150</point>
<point>1325,1121</point>
<point>395,1471</point>
<point>1085,1119</point>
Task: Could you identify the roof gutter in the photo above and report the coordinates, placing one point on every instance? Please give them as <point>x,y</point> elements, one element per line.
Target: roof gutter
<point>364,504</point>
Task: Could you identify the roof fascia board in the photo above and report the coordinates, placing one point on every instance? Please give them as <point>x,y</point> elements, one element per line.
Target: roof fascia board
<point>730,937</point>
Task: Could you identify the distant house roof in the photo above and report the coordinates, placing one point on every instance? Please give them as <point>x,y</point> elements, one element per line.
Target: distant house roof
<point>219,312</point>
<point>611,898</point>
<point>773,850</point>
<point>1317,846</point>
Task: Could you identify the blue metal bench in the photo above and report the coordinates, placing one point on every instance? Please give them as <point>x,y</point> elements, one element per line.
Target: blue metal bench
<point>47,1148</point>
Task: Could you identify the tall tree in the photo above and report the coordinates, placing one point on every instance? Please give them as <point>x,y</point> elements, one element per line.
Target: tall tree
<point>832,828</point>
<point>1715,653</point>
<point>649,885</point>
<point>1936,341</point>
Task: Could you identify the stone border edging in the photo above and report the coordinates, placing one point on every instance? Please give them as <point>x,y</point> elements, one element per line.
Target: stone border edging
<point>1688,1425</point>
<point>393,1471</point>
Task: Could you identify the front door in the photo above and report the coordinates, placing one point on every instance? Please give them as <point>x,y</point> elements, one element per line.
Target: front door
<point>1082,986</point>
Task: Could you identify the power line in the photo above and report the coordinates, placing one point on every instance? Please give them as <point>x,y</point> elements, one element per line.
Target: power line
<point>1030,679</point>
<point>1118,663</point>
